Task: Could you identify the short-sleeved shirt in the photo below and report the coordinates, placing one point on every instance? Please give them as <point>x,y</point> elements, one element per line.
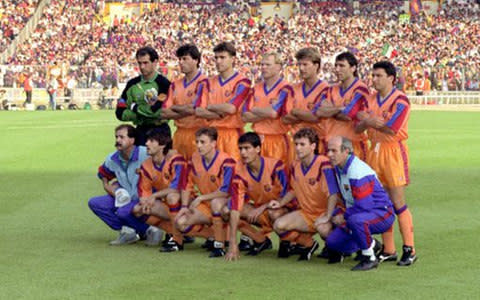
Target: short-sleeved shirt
<point>126,172</point>
<point>313,185</point>
<point>182,92</point>
<point>168,174</point>
<point>306,100</point>
<point>354,100</point>
<point>209,177</point>
<point>233,90</point>
<point>395,111</point>
<point>269,184</point>
<point>278,98</point>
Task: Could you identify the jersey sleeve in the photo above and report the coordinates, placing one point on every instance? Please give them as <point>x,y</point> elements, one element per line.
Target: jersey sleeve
<point>238,193</point>
<point>401,108</point>
<point>357,104</point>
<point>320,99</point>
<point>145,184</point>
<point>202,92</point>
<point>328,174</point>
<point>186,183</point>
<point>362,192</point>
<point>123,111</point>
<point>281,177</point>
<point>177,170</point>
<point>289,104</point>
<point>105,172</point>
<point>170,96</point>
<point>281,102</point>
<point>242,90</point>
<point>228,170</point>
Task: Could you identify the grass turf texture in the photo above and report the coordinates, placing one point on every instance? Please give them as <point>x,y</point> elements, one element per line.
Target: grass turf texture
<point>52,246</point>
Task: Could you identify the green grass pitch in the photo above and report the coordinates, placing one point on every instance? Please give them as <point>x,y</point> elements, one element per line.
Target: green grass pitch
<point>53,247</point>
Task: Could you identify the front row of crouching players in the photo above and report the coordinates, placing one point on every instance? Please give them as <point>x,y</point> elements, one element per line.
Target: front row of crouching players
<point>338,196</point>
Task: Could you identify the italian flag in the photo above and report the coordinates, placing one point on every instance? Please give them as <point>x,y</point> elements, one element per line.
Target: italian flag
<point>389,51</point>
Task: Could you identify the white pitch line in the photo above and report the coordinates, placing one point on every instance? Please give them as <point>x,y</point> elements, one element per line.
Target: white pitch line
<point>57,126</point>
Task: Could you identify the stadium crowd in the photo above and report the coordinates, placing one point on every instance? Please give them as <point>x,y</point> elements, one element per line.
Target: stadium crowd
<point>443,47</point>
<point>13,17</point>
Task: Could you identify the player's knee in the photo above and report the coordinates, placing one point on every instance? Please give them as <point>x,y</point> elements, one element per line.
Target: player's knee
<point>324,229</point>
<point>173,198</point>
<point>123,212</point>
<point>332,243</point>
<point>279,225</point>
<point>93,204</point>
<point>355,221</point>
<point>274,214</point>
<point>217,205</point>
<point>181,224</point>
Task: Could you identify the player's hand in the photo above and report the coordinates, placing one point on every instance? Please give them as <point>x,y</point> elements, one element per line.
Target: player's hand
<point>233,254</point>
<point>253,215</point>
<point>338,220</point>
<point>274,204</point>
<point>183,211</point>
<point>196,202</point>
<point>362,115</point>
<point>322,220</point>
<point>376,122</point>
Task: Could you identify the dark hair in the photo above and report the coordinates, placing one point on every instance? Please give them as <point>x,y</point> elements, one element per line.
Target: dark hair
<point>208,131</point>
<point>250,138</point>
<point>190,50</point>
<point>152,53</point>
<point>131,131</point>
<point>388,67</point>
<point>311,54</point>
<point>310,134</point>
<point>350,59</point>
<point>225,47</point>
<point>162,137</point>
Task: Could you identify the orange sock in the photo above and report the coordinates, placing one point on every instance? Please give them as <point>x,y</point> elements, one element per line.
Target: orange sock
<point>305,239</point>
<point>152,220</point>
<point>160,223</point>
<point>388,241</point>
<point>203,231</point>
<point>290,236</point>
<point>176,234</point>
<point>247,229</point>
<point>226,231</point>
<point>217,226</point>
<point>405,223</point>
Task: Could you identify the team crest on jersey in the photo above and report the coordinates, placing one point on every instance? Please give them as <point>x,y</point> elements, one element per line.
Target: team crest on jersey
<point>167,177</point>
<point>213,178</point>
<point>267,188</point>
<point>190,94</point>
<point>385,114</point>
<point>162,97</point>
<point>271,101</point>
<point>346,187</point>
<point>155,178</point>
<point>311,181</point>
<point>310,105</point>
<point>150,95</point>
<point>228,93</point>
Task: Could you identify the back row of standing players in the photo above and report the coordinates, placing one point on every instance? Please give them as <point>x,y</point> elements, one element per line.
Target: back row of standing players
<point>374,121</point>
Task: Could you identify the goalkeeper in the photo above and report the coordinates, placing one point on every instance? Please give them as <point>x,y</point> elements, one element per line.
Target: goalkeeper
<point>142,99</point>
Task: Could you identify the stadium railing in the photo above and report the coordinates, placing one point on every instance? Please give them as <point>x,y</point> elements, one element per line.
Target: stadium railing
<point>452,97</point>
